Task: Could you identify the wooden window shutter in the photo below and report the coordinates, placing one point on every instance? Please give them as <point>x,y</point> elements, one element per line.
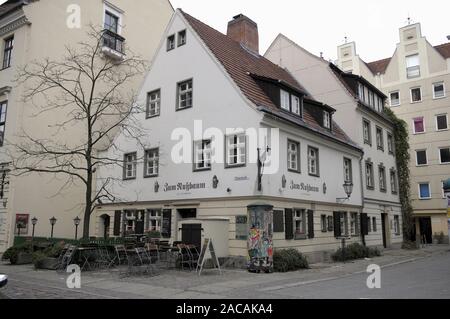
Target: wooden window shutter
<point>289,223</point>
<point>357,225</point>
<point>337,224</point>
<point>278,224</point>
<point>364,225</point>
<point>310,224</point>
<point>117,219</point>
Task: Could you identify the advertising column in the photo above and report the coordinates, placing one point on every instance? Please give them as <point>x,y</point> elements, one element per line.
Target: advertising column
<point>260,246</point>
<point>447,196</point>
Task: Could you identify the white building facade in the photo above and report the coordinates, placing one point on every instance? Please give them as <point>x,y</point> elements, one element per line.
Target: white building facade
<point>210,99</point>
<point>359,106</point>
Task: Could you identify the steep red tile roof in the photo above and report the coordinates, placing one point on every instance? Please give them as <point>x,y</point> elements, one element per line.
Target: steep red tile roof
<point>380,66</point>
<point>242,65</point>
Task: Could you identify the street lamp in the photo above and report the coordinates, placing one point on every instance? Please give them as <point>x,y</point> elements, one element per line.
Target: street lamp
<point>52,222</point>
<point>33,222</point>
<point>348,188</point>
<point>76,221</point>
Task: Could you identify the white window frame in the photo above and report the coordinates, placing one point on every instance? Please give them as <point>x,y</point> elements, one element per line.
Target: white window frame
<point>434,92</point>
<point>180,93</point>
<point>379,138</point>
<point>295,153</point>
<point>301,217</point>
<point>285,97</point>
<point>153,160</point>
<point>202,155</point>
<point>130,165</point>
<point>153,104</point>
<point>382,178</point>
<point>429,190</point>
<point>326,119</point>
<point>348,170</point>
<point>114,11</point>
<point>353,221</point>
<point>390,143</point>
<point>239,149</point>
<point>414,125</point>
<point>324,223</point>
<point>446,117</point>
<point>411,94</point>
<point>394,184</point>
<point>369,132</point>
<point>156,216</point>
<point>440,155</point>
<point>296,105</point>
<point>343,223</point>
<point>390,98</point>
<point>369,176</point>
<point>313,161</point>
<point>417,159</point>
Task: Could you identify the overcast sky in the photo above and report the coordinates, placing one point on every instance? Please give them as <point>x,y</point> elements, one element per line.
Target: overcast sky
<point>321,25</point>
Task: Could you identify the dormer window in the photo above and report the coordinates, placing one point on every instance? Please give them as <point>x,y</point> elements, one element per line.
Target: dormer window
<point>285,100</point>
<point>326,119</point>
<point>296,105</point>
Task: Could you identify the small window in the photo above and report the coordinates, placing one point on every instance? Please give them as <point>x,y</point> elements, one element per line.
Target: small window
<point>374,224</point>
<point>202,155</point>
<point>326,119</point>
<point>394,98</point>
<point>313,161</point>
<point>393,177</point>
<point>438,90</point>
<point>416,95</point>
<point>235,150</point>
<point>300,224</point>
<point>367,132</point>
<point>181,38</point>
<point>419,126</point>
<point>130,163</point>
<point>390,142</point>
<point>424,191</point>
<point>111,22</point>
<point>397,225</point>
<point>185,95</point>
<point>382,178</point>
<point>151,163</point>
<point>285,103</point>
<point>444,155</point>
<point>153,103</point>
<point>412,66</point>
<point>3,108</point>
<point>241,228</point>
<point>442,122</point>
<point>296,105</point>
<point>171,42</point>
<point>348,174</point>
<point>324,223</point>
<point>380,139</point>
<point>294,156</point>
<point>354,226</point>
<point>369,176</point>
<point>330,223</point>
<point>369,224</point>
<point>421,157</point>
<point>7,52</point>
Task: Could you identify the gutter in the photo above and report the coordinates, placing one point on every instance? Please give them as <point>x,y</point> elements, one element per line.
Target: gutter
<point>361,159</point>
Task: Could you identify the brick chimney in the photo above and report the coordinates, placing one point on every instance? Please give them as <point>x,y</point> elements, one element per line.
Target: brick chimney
<point>244,30</point>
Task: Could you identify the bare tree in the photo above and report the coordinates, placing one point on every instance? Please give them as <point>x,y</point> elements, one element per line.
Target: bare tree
<point>92,93</point>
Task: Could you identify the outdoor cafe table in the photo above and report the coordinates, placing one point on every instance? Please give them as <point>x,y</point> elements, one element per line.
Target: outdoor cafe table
<point>84,253</point>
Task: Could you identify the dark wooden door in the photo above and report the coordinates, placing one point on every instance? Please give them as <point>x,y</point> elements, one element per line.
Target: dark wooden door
<point>383,228</point>
<point>425,230</point>
<point>139,228</point>
<point>192,234</point>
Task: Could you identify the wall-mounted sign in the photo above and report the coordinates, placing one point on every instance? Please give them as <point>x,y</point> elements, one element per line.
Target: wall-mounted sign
<point>183,186</point>
<point>241,178</point>
<point>304,187</point>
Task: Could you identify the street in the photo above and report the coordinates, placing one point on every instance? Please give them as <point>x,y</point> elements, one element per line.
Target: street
<point>404,274</point>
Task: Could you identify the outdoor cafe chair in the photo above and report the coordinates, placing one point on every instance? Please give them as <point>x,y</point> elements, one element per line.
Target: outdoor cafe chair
<point>120,255</point>
<point>192,249</point>
<point>186,258</point>
<point>153,252</point>
<point>67,257</point>
<point>146,266</point>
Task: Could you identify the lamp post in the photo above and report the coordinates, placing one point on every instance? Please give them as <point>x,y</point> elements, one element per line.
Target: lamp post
<point>348,188</point>
<point>76,221</point>
<point>34,221</point>
<point>52,222</point>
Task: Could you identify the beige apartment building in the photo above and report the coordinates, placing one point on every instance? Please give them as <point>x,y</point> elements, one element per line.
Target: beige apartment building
<point>416,80</point>
<point>34,30</point>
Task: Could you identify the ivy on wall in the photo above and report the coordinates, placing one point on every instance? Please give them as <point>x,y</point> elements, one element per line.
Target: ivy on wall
<point>402,154</point>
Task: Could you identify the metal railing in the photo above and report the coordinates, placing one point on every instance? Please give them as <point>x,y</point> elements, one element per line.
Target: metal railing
<point>113,41</point>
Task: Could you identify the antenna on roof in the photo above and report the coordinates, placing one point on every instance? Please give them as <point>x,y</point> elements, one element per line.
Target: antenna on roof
<point>409,20</point>
<point>321,55</point>
<point>345,39</point>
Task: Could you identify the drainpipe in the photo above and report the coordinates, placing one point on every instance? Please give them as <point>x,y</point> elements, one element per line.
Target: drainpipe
<point>361,159</point>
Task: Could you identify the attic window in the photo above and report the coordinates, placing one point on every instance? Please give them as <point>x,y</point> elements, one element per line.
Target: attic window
<point>326,119</point>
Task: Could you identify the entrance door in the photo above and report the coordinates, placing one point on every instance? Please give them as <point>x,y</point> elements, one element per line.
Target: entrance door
<point>426,236</point>
<point>107,222</point>
<point>383,228</point>
<point>192,234</point>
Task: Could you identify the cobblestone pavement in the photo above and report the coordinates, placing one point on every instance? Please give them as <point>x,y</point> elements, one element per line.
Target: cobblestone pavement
<point>27,283</point>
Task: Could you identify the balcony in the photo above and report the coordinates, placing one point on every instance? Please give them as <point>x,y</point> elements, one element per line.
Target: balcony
<point>113,45</point>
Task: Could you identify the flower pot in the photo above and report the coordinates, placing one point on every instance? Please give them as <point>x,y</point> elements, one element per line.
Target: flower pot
<point>21,259</point>
<point>49,263</point>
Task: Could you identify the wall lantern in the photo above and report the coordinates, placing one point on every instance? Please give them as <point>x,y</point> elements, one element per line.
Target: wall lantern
<point>215,182</point>
<point>283,181</point>
<point>156,187</point>
<point>348,188</point>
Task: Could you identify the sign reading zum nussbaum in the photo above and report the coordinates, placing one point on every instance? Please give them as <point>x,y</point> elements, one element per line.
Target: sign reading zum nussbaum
<point>183,186</point>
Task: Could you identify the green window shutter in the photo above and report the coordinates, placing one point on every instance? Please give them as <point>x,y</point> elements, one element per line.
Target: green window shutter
<point>278,222</point>
<point>310,224</point>
<point>289,223</point>
<point>117,219</point>
<point>337,224</point>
